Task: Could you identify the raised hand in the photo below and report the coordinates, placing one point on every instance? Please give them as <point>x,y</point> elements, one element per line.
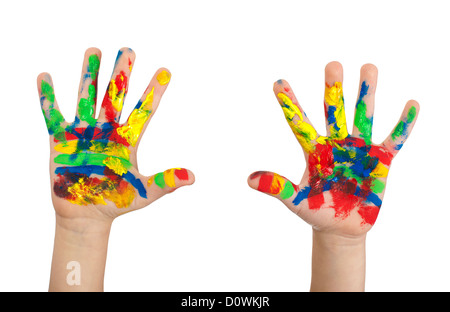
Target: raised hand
<point>93,167</point>
<point>344,182</point>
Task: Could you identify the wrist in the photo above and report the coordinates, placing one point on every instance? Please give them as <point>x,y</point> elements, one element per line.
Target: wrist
<point>337,242</point>
<point>338,262</point>
<point>83,243</point>
<point>83,226</point>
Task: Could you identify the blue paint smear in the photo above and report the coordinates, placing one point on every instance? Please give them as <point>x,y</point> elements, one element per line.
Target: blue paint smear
<point>301,195</point>
<point>331,118</point>
<point>398,146</point>
<point>363,92</point>
<point>119,54</point>
<point>138,105</point>
<point>373,198</point>
<point>92,169</point>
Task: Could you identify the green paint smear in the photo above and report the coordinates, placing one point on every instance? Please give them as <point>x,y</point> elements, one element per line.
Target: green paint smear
<point>399,130</point>
<point>411,114</point>
<point>378,186</point>
<point>159,180</point>
<point>87,159</point>
<point>363,123</point>
<point>345,172</point>
<point>94,65</point>
<point>287,191</point>
<point>53,117</point>
<point>86,106</point>
<point>47,91</point>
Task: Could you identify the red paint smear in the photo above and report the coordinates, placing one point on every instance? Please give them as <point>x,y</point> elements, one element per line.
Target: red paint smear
<point>121,82</point>
<point>382,154</point>
<point>287,89</point>
<point>322,156</point>
<point>181,174</point>
<point>110,112</point>
<point>369,214</point>
<point>344,203</point>
<point>265,182</point>
<point>325,109</point>
<point>316,201</point>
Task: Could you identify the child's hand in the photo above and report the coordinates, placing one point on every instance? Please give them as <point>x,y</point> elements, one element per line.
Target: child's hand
<point>93,167</point>
<point>343,185</point>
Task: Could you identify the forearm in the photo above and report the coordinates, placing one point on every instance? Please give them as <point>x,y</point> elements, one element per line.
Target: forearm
<point>338,262</point>
<point>79,257</point>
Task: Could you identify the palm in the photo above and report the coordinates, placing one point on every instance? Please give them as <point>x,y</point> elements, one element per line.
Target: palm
<point>93,160</point>
<point>344,181</point>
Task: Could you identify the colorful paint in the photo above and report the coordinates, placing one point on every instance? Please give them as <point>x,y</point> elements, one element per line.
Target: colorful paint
<point>167,178</point>
<point>351,169</point>
<point>93,164</point>
<point>163,77</point>
<point>401,129</point>
<point>86,106</point>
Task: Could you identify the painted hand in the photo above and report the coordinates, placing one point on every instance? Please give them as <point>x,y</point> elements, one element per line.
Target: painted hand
<point>93,166</point>
<point>343,185</point>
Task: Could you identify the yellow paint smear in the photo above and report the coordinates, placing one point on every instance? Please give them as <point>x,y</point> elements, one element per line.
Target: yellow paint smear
<point>380,171</point>
<point>334,96</point>
<point>115,165</point>
<point>83,193</point>
<point>138,117</point>
<point>169,177</point>
<point>163,77</point>
<point>116,96</point>
<point>304,132</point>
<point>277,184</point>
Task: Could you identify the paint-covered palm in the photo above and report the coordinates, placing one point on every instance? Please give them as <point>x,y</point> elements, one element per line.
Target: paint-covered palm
<point>93,160</point>
<point>344,181</point>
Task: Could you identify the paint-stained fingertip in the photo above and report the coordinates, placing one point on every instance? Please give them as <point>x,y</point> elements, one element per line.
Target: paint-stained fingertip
<point>126,49</point>
<point>272,184</point>
<point>43,76</point>
<point>253,179</point>
<point>412,103</point>
<point>163,76</point>
<point>279,85</point>
<point>410,113</point>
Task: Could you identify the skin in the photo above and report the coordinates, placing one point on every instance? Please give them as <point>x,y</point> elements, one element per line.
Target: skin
<point>340,201</point>
<point>83,220</point>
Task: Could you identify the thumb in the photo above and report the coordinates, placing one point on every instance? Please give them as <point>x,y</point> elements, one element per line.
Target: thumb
<point>167,181</point>
<point>273,184</point>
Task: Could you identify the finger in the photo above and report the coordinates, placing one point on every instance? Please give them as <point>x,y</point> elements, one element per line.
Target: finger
<point>275,185</point>
<point>295,116</point>
<point>145,108</point>
<point>166,182</point>
<point>363,121</point>
<point>394,142</point>
<point>118,87</point>
<point>334,102</point>
<point>87,92</point>
<point>55,121</point>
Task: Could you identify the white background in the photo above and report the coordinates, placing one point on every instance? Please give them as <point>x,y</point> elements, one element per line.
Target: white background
<point>220,119</point>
